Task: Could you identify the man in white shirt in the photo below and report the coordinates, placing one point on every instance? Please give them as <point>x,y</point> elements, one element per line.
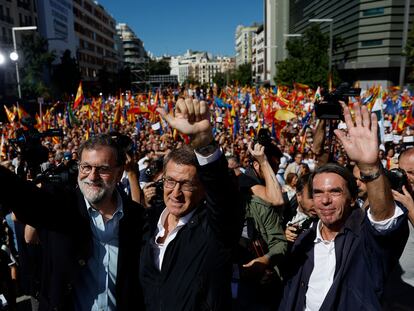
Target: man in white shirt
<point>342,261</point>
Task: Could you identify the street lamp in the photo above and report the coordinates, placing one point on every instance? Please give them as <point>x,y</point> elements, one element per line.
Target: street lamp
<point>327,20</point>
<point>292,35</point>
<point>14,56</point>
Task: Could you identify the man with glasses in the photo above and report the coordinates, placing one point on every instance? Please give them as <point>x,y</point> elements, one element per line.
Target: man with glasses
<point>341,263</point>
<point>90,238</point>
<point>186,256</point>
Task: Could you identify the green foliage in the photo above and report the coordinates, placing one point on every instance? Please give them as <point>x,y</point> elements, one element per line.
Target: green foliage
<point>161,67</point>
<point>220,79</point>
<point>37,64</point>
<point>66,75</point>
<point>242,75</point>
<point>191,80</point>
<point>409,52</point>
<point>308,60</point>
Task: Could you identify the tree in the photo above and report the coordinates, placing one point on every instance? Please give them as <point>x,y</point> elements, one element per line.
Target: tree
<point>66,75</point>
<point>242,75</point>
<point>220,79</point>
<point>37,64</point>
<point>308,60</point>
<point>125,78</point>
<point>161,67</point>
<point>409,52</point>
<point>106,81</point>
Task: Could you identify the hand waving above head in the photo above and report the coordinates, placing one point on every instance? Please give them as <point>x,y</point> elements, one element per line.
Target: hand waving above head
<point>192,118</point>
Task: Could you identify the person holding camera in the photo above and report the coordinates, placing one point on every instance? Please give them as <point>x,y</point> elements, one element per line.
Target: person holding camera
<point>400,286</point>
<point>90,235</point>
<point>257,283</point>
<point>259,178</point>
<point>305,211</point>
<point>153,190</point>
<point>342,261</point>
<point>186,254</point>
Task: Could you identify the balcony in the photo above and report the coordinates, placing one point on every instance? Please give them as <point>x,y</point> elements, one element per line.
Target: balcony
<point>23,4</point>
<point>6,19</point>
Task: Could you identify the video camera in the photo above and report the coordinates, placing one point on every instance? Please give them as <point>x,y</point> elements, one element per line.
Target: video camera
<point>398,178</point>
<point>27,143</point>
<point>264,139</point>
<point>329,107</point>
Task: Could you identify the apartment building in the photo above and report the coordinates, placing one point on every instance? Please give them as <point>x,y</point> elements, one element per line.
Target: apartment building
<point>243,39</point>
<point>201,66</point>
<point>370,33</point>
<point>96,33</point>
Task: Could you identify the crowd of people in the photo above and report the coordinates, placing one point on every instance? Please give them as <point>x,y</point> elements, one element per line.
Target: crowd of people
<point>194,199</point>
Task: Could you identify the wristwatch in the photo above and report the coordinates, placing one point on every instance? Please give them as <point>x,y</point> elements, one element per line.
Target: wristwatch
<point>373,176</point>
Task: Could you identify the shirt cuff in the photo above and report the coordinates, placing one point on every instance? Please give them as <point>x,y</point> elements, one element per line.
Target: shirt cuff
<point>386,224</point>
<point>204,160</point>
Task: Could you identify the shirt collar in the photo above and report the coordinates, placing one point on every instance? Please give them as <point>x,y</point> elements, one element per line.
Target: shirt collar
<point>119,206</point>
<point>181,222</point>
<point>319,237</point>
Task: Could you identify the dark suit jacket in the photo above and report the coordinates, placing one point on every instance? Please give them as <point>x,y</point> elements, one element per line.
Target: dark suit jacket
<point>66,240</point>
<point>364,259</point>
<point>196,269</point>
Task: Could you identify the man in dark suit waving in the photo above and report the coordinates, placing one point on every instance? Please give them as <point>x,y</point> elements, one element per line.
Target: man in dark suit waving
<point>186,258</point>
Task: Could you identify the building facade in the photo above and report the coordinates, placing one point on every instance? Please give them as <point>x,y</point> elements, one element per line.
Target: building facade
<point>200,66</point>
<point>133,47</point>
<point>56,24</point>
<point>370,33</point>
<point>243,39</point>
<point>276,26</point>
<point>13,14</point>
<point>258,58</point>
<point>96,34</point>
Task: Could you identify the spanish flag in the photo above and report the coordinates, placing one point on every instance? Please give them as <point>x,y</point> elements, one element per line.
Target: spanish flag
<point>10,115</point>
<point>79,96</point>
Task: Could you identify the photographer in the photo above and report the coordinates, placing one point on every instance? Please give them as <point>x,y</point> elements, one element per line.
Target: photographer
<point>153,190</point>
<point>305,212</point>
<point>260,178</point>
<point>399,291</point>
<point>262,246</point>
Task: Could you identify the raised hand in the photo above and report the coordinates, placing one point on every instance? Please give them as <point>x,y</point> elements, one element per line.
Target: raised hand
<point>257,152</point>
<point>361,142</point>
<point>192,118</point>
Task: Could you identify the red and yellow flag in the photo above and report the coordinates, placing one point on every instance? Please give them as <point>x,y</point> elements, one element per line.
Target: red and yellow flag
<point>79,96</point>
<point>10,115</point>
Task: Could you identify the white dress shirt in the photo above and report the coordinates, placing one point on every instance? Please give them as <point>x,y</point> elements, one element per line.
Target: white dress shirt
<point>160,248</point>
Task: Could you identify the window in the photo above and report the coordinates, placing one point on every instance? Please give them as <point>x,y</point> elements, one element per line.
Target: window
<point>369,43</point>
<point>374,11</point>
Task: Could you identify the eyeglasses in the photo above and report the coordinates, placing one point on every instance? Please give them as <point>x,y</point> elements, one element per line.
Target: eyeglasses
<point>184,185</point>
<point>101,170</point>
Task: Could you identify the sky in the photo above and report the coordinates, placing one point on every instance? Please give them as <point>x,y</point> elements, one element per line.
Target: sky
<point>173,26</point>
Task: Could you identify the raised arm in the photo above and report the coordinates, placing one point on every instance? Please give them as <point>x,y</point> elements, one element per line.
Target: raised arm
<point>130,168</point>
<point>271,192</point>
<point>223,200</point>
<point>361,146</point>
